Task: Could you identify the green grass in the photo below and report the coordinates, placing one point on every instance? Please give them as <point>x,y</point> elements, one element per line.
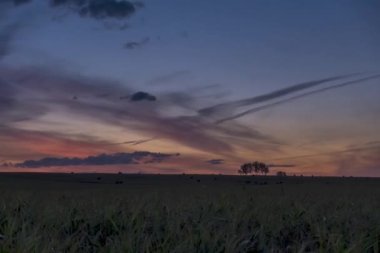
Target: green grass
<point>79,213</point>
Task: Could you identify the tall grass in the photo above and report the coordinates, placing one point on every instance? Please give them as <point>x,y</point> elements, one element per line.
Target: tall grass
<point>177,214</point>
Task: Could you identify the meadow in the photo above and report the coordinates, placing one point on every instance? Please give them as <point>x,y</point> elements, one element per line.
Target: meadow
<point>187,213</point>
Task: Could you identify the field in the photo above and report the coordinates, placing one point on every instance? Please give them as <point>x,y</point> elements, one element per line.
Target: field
<point>187,213</point>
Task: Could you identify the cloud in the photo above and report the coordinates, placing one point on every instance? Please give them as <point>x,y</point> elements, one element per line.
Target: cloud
<point>230,107</point>
<point>135,142</point>
<point>141,96</point>
<point>215,161</point>
<point>136,44</point>
<point>96,9</point>
<point>260,108</point>
<point>36,92</point>
<point>99,9</point>
<point>15,2</point>
<point>29,93</point>
<point>102,159</point>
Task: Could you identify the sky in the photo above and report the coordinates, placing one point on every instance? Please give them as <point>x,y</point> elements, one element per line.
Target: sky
<point>178,86</point>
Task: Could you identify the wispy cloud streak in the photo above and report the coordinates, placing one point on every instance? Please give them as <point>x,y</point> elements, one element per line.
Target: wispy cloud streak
<point>134,143</point>
<point>260,108</point>
<point>350,150</point>
<point>209,111</point>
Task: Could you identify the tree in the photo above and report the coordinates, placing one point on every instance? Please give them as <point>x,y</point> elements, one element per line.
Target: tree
<point>264,168</point>
<point>260,167</point>
<point>245,169</point>
<point>254,167</point>
<point>281,173</point>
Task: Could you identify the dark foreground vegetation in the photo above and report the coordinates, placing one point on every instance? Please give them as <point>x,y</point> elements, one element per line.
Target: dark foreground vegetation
<point>187,213</point>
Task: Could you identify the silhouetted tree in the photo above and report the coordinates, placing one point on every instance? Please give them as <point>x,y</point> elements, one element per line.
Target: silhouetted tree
<point>246,169</point>
<point>254,167</point>
<point>281,174</point>
<point>264,168</point>
<point>260,167</point>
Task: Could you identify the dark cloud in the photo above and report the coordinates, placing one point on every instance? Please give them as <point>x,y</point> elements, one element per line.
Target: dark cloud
<point>260,108</point>
<point>141,96</point>
<point>103,159</point>
<point>230,107</point>
<point>136,44</point>
<point>99,9</point>
<point>4,3</point>
<point>215,161</point>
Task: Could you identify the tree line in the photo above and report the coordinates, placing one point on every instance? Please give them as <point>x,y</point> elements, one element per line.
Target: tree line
<point>257,168</point>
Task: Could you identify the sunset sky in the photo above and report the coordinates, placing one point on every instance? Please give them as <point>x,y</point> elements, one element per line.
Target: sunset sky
<point>190,86</point>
